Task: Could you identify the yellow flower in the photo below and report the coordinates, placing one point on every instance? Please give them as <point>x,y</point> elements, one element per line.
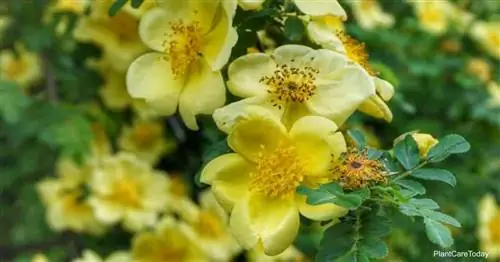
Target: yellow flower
<point>295,81</point>
<point>166,243</point>
<point>424,141</point>
<point>39,258</point>
<point>370,15</point>
<point>65,200</point>
<point>480,68</point>
<point>127,190</point>
<point>489,226</point>
<point>433,16</point>
<point>77,7</point>
<point>113,92</point>
<point>494,91</point>
<point>4,23</point>
<point>191,40</point>
<point>147,140</point>
<point>258,183</point>
<point>91,256</point>
<point>251,4</point>
<point>99,146</point>
<point>24,69</point>
<point>291,254</point>
<point>118,35</point>
<point>207,226</point>
<point>320,7</point>
<point>375,105</point>
<point>487,34</point>
<point>322,30</point>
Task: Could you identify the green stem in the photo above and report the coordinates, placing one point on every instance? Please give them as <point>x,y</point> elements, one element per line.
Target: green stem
<point>408,172</point>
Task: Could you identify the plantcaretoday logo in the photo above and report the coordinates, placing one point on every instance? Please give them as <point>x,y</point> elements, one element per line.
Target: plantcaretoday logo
<point>455,253</point>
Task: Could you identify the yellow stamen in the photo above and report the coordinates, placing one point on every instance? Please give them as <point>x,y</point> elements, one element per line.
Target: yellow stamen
<point>278,173</point>
<point>356,51</point>
<point>126,192</point>
<point>209,225</point>
<point>291,84</point>
<point>183,46</point>
<point>334,22</point>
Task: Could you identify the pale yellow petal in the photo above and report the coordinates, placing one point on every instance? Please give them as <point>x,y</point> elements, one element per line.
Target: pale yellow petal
<point>384,89</point>
<point>229,176</point>
<point>149,77</point>
<point>321,34</point>
<point>338,99</point>
<point>320,7</point>
<point>316,140</point>
<point>321,212</point>
<point>290,55</point>
<point>376,107</point>
<point>204,92</point>
<point>154,27</point>
<point>251,4</point>
<point>240,225</point>
<point>259,131</point>
<point>246,72</point>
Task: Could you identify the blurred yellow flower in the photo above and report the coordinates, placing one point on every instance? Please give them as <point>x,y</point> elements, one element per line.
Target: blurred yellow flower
<point>494,91</point>
<point>39,258</point>
<point>207,226</point>
<point>258,183</point>
<point>4,23</point>
<point>126,189</point>
<point>65,200</point>
<point>251,4</point>
<point>117,35</point>
<point>433,15</point>
<point>489,226</point>
<point>320,8</point>
<point>295,81</point>
<point>167,243</point>
<point>99,146</point>
<point>113,92</point>
<point>480,68</point>
<point>487,35</point>
<point>23,68</point>
<point>91,256</point>
<point>146,139</point>
<point>291,254</point>
<point>191,40</point>
<point>370,15</point>
<point>77,7</point>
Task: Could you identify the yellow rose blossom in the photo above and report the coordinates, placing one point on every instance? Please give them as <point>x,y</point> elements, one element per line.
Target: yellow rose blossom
<point>494,91</point>
<point>480,68</point>
<point>257,184</point>
<point>433,15</point>
<point>65,199</point>
<point>487,35</point>
<point>91,256</point>
<point>146,139</point>
<point>295,81</point>
<point>166,243</point>
<point>117,35</point>
<point>322,30</point>
<point>191,41</point>
<point>424,141</point>
<point>207,226</point>
<point>489,226</point>
<point>320,7</point>
<point>291,254</point>
<point>23,69</point>
<point>251,4</point>
<point>370,15</point>
<point>125,189</point>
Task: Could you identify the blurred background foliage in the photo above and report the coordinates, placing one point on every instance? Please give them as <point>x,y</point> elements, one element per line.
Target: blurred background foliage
<point>441,83</point>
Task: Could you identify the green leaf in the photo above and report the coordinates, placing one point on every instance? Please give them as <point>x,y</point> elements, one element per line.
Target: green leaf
<point>411,185</point>
<point>333,193</point>
<point>438,233</point>
<point>406,151</point>
<point>294,29</point>
<point>374,247</point>
<point>374,154</point>
<point>441,217</point>
<point>116,6</point>
<point>358,138</point>
<point>12,102</point>
<point>448,145</point>
<point>435,174</point>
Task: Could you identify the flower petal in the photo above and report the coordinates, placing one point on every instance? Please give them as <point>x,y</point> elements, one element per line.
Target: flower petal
<point>338,99</point>
<point>376,107</point>
<point>320,212</point>
<point>154,26</point>
<point>384,89</point>
<point>149,77</point>
<point>321,34</point>
<point>245,74</point>
<point>316,140</point>
<point>320,7</point>
<point>290,55</point>
<point>259,130</point>
<point>229,176</point>
<point>204,92</point>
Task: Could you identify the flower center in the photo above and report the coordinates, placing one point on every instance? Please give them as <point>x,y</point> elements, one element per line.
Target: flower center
<point>334,22</point>
<point>144,135</point>
<point>291,84</point>
<point>126,192</point>
<point>494,227</point>
<point>356,51</point>
<point>177,186</point>
<point>209,225</point>
<point>125,26</point>
<point>15,68</point>
<point>183,46</point>
<point>278,173</point>
<point>354,170</point>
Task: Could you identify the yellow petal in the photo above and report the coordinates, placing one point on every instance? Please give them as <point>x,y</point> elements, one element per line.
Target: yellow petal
<point>259,130</point>
<point>384,89</point>
<point>204,92</point>
<point>229,177</point>
<point>149,77</point>
<point>321,34</point>
<point>320,7</point>
<point>155,26</point>
<point>320,212</point>
<point>218,43</point>
<point>251,4</point>
<point>246,72</point>
<point>290,54</point>
<point>274,222</point>
<point>376,107</point>
<point>338,99</point>
<point>316,140</point>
